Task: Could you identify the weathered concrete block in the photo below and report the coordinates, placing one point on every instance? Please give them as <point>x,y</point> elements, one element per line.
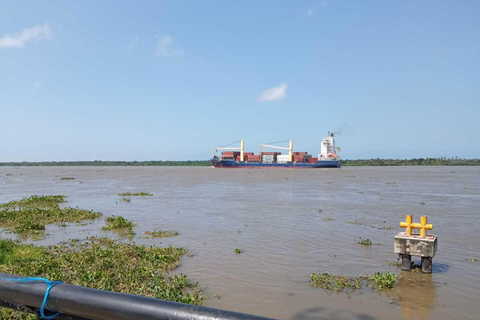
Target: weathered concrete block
<point>415,245</point>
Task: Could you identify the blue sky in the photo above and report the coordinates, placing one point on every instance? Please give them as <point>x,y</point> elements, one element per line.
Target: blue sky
<point>170,80</point>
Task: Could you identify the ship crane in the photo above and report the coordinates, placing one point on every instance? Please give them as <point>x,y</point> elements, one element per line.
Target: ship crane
<point>289,148</point>
<point>242,145</point>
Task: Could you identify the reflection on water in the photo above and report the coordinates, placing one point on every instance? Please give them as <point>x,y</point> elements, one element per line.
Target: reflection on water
<point>416,293</point>
<point>284,235</point>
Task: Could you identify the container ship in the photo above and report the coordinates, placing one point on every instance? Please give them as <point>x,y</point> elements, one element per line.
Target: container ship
<point>327,158</point>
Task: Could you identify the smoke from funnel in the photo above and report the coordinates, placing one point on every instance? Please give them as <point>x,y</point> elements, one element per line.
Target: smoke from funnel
<point>339,131</point>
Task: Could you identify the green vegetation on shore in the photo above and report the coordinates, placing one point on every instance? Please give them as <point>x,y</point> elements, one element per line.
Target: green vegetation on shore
<point>413,162</point>
<point>443,161</point>
<point>189,163</point>
<point>102,263</point>
<point>28,217</point>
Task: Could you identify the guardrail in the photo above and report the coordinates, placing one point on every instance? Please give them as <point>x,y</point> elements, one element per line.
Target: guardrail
<point>76,302</point>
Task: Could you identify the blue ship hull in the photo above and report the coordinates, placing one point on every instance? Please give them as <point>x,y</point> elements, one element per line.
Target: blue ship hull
<point>243,164</point>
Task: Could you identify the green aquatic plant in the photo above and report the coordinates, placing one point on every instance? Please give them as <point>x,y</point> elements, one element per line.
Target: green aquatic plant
<point>386,228</point>
<point>333,282</point>
<point>36,202</point>
<point>422,203</point>
<point>472,259</point>
<point>384,280</point>
<point>355,222</point>
<point>394,264</point>
<point>67,178</point>
<point>119,224</point>
<point>102,263</point>
<point>137,194</point>
<point>28,217</point>
<point>327,219</point>
<point>320,210</point>
<point>161,234</point>
<point>238,250</point>
<point>126,199</point>
<point>364,242</point>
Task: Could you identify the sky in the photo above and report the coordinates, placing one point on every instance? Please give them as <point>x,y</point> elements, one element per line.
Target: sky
<point>170,80</point>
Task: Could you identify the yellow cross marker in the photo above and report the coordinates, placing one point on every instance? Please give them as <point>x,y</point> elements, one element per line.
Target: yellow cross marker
<point>423,226</point>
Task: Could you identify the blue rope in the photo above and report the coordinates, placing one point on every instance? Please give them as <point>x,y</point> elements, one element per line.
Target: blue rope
<point>50,285</point>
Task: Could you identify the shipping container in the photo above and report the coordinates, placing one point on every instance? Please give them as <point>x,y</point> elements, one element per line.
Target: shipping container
<point>312,160</point>
<point>299,153</point>
<point>248,153</point>
<point>270,153</point>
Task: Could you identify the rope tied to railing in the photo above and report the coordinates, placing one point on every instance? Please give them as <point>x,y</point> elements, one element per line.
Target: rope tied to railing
<point>50,285</point>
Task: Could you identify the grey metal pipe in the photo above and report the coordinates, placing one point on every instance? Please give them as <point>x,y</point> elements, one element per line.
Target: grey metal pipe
<point>106,305</point>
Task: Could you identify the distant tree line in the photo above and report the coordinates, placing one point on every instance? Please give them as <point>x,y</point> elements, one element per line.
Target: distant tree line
<point>191,163</point>
<point>413,162</point>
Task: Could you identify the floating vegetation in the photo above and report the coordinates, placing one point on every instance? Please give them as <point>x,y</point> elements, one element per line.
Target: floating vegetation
<point>327,219</point>
<point>394,264</point>
<point>472,259</point>
<point>28,217</point>
<point>422,203</point>
<point>320,210</point>
<point>67,178</point>
<point>8,174</point>
<point>364,242</point>
<point>392,184</point>
<point>384,280</point>
<point>239,231</point>
<point>120,225</point>
<point>102,263</point>
<point>331,282</point>
<point>126,199</point>
<point>356,222</point>
<point>138,194</point>
<point>238,250</point>
<point>161,234</point>
<point>386,228</point>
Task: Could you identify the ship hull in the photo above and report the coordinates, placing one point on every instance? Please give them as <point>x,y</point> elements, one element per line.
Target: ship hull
<point>300,165</point>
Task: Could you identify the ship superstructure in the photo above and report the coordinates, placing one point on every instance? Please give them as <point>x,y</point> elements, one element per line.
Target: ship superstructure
<point>236,157</point>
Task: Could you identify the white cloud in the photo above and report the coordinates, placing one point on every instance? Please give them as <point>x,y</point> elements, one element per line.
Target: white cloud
<point>167,47</point>
<point>309,12</point>
<point>18,40</point>
<point>272,94</point>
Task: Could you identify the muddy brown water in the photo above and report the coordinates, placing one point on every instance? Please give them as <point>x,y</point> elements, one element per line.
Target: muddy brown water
<point>273,215</point>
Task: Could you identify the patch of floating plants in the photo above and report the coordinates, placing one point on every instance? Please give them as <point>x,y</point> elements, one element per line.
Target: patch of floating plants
<point>238,250</point>
<point>120,225</point>
<point>331,282</point>
<point>102,263</point>
<point>67,178</point>
<point>137,194</point>
<point>364,242</point>
<point>28,217</point>
<point>160,234</point>
<point>126,199</point>
<point>472,259</point>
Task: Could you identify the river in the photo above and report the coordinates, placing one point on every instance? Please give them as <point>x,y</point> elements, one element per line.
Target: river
<point>273,215</point>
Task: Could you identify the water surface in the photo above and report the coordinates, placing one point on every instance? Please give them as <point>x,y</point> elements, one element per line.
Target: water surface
<point>273,215</point>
